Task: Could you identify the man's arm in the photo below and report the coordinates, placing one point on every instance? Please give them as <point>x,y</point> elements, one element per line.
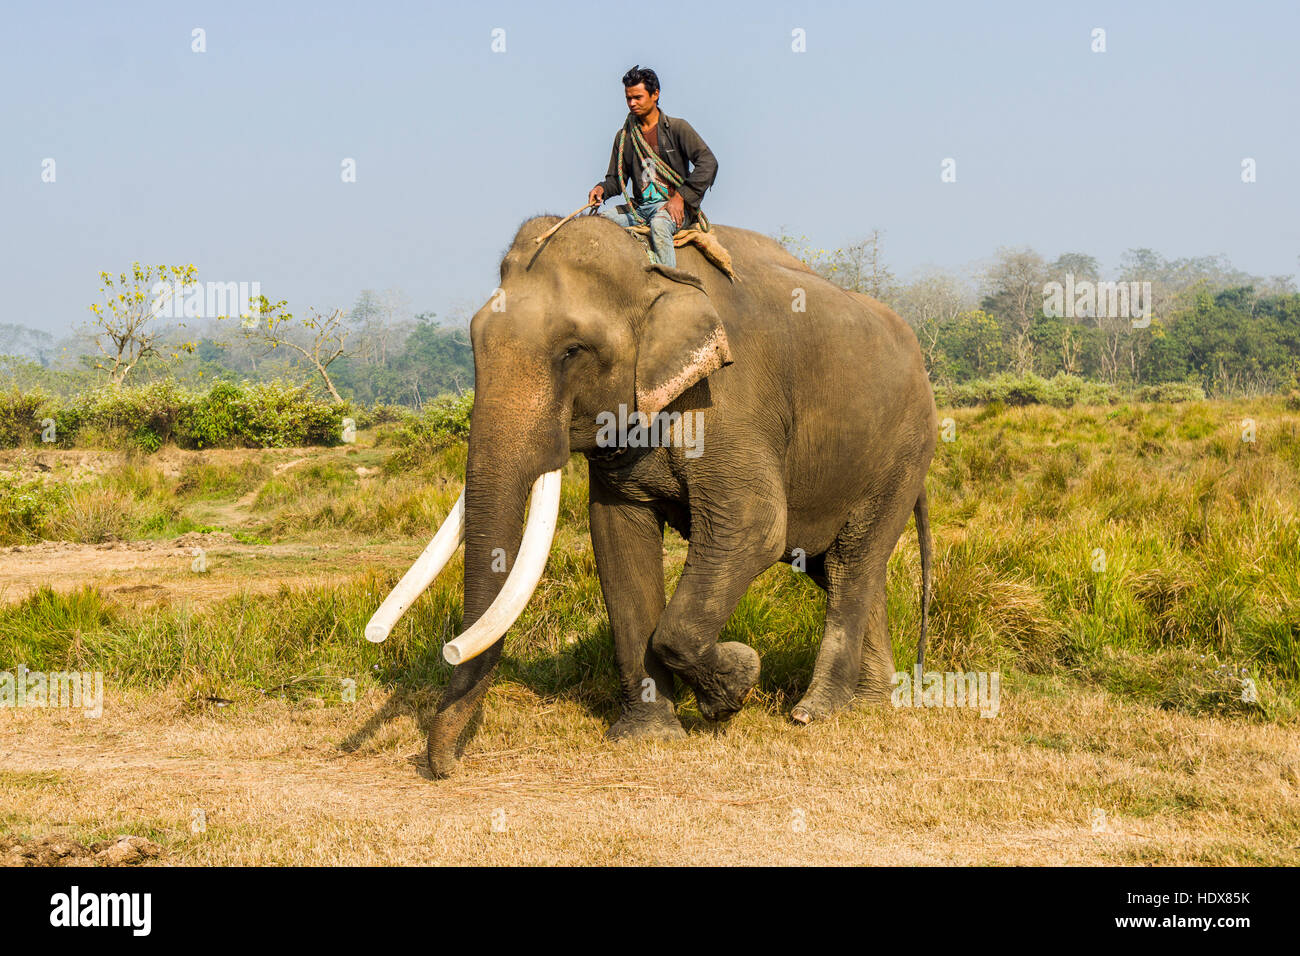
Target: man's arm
<point>612,185</point>
<point>704,165</point>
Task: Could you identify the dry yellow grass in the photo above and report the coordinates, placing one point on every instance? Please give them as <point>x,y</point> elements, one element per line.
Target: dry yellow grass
<point>539,785</point>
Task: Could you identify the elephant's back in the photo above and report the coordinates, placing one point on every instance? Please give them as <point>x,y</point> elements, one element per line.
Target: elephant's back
<point>841,371</point>
<point>805,325</point>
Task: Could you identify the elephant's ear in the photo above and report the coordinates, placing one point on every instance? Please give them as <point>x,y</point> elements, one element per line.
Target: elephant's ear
<point>683,340</point>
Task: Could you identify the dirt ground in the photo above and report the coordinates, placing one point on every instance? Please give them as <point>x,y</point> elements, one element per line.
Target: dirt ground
<point>1057,777</point>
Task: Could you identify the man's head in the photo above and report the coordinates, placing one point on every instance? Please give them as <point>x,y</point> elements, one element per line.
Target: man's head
<point>641,87</point>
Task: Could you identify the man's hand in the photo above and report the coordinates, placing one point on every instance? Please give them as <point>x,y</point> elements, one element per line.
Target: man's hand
<point>597,194</point>
<point>676,207</point>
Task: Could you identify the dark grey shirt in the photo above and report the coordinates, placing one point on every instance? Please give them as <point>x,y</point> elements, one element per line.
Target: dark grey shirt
<point>679,145</point>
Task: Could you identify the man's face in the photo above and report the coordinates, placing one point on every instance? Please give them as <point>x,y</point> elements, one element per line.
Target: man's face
<point>639,101</point>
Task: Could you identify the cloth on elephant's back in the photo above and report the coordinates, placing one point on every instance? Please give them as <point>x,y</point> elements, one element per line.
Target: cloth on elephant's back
<point>707,242</point>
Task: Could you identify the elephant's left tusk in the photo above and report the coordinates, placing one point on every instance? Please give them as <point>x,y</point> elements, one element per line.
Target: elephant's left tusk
<point>523,578</point>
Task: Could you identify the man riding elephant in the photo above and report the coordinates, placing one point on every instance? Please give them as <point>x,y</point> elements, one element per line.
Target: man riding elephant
<point>653,150</point>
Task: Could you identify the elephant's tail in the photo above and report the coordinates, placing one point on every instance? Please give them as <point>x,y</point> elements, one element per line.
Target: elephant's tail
<point>922,512</point>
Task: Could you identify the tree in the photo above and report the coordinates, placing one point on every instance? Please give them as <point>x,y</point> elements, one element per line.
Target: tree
<point>125,321</point>
<point>1015,284</point>
<point>974,344</point>
<point>19,340</point>
<point>1077,264</point>
<point>365,309</point>
<point>1065,332</point>
<point>861,268</point>
<point>858,268</point>
<point>381,325</point>
<point>930,304</point>
<point>438,359</point>
<point>323,337</point>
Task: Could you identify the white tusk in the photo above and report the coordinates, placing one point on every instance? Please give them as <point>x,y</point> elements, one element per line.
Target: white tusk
<point>523,578</point>
<point>427,567</point>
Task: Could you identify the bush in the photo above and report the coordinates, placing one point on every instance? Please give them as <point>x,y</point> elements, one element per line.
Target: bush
<point>262,415</point>
<point>389,414</point>
<point>143,416</point>
<point>361,416</point>
<point>1066,391</point>
<point>282,415</point>
<point>20,417</point>
<point>215,419</point>
<point>1059,391</point>
<point>24,508</point>
<point>444,422</point>
<point>1171,392</point>
<point>93,514</point>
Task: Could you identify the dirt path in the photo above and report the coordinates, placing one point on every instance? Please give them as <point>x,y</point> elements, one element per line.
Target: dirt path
<point>276,784</point>
<point>144,573</point>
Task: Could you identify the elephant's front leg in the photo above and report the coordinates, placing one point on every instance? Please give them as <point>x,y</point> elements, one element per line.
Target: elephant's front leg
<point>713,582</point>
<point>628,542</point>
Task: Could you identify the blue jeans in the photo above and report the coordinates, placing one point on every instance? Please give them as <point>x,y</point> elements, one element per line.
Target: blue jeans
<point>661,229</point>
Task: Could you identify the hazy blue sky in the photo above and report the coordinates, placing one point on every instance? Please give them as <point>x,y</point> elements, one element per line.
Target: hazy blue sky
<point>231,158</point>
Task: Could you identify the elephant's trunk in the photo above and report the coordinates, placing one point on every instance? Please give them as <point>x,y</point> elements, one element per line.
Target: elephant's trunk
<point>500,468</point>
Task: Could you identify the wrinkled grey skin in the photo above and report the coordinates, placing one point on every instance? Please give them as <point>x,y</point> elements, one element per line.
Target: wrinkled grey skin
<point>819,427</point>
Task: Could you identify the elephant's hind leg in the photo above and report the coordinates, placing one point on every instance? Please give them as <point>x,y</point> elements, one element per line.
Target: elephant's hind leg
<point>856,657</point>
<point>876,680</point>
<point>851,597</point>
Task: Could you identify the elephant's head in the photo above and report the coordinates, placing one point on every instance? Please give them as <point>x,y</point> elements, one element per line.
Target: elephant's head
<point>579,326</point>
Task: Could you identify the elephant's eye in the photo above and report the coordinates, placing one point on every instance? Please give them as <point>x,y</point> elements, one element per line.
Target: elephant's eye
<point>570,352</point>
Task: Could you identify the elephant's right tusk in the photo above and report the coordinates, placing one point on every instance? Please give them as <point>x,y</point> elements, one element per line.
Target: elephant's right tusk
<point>522,581</point>
<point>427,567</point>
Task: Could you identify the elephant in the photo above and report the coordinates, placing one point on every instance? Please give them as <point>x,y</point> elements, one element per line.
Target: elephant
<point>815,425</point>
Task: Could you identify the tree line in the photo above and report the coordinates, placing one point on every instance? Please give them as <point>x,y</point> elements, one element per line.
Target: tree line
<point>1206,323</point>
<point>377,352</point>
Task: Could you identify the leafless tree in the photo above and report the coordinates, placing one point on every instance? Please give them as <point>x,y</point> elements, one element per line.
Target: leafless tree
<point>861,268</point>
<point>1014,283</point>
<point>928,304</point>
<point>321,338</point>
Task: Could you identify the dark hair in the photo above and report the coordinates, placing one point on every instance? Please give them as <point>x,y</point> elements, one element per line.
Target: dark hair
<point>638,75</point>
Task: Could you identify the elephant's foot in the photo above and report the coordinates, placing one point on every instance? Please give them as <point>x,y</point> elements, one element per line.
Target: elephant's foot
<point>821,703</point>
<point>646,720</point>
<point>442,762</point>
<point>446,742</point>
<point>722,693</point>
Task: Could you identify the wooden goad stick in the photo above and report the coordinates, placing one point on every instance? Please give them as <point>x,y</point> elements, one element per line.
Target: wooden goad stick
<point>550,232</point>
